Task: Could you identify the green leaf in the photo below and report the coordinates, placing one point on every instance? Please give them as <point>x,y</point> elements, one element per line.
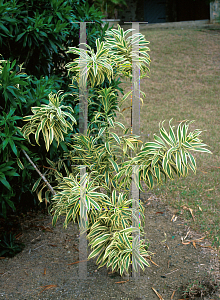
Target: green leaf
<point>6,183</point>
<point>13,147</point>
<point>114,164</point>
<point>21,166</point>
<point>36,184</point>
<point>101,131</point>
<point>202,150</point>
<point>20,36</point>
<point>116,137</point>
<point>107,147</point>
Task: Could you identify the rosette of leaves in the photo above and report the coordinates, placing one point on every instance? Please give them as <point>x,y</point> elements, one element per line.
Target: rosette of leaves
<point>168,155</point>
<point>50,119</point>
<point>69,192</point>
<point>125,50</point>
<point>91,67</point>
<point>110,235</point>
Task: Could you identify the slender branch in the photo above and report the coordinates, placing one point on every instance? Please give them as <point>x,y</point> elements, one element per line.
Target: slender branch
<point>41,175</point>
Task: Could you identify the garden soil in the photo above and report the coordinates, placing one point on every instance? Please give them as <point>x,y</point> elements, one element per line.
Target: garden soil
<point>179,268</point>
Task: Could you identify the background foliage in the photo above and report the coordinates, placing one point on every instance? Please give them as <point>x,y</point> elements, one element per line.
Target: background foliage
<point>34,37</point>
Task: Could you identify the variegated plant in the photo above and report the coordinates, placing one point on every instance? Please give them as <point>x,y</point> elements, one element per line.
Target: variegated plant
<point>50,119</point>
<point>127,49</point>
<point>106,204</point>
<point>167,156</point>
<point>116,52</point>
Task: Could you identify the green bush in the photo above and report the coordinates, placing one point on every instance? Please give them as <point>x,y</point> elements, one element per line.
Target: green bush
<point>38,33</point>
<point>34,37</point>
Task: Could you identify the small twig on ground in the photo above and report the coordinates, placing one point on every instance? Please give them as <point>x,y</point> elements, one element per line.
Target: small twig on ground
<point>172,272</point>
<point>39,247</point>
<point>5,273</point>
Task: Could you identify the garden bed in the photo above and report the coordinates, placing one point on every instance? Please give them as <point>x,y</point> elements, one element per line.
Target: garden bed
<point>45,269</point>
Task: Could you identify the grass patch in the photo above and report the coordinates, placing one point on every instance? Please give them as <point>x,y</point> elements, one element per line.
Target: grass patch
<point>184,84</point>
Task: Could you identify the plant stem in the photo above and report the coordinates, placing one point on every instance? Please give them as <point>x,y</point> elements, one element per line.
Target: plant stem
<point>41,175</point>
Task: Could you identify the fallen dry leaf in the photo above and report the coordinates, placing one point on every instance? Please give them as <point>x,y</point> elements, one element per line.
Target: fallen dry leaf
<point>206,246</point>
<point>194,245</point>
<point>193,241</point>
<point>18,235</point>
<point>122,281</point>
<point>44,271</point>
<point>76,248</point>
<point>191,211</point>
<point>126,108</point>
<point>152,261</point>
<point>174,217</point>
<point>77,262</point>
<point>149,199</point>
<point>158,295</point>
<point>209,190</point>
<point>172,295</point>
<point>47,287</point>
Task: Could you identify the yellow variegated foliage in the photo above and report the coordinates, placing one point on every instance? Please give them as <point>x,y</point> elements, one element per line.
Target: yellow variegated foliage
<point>113,232</point>
<point>168,155</point>
<point>91,67</point>
<point>127,49</point>
<point>118,52</point>
<point>49,119</point>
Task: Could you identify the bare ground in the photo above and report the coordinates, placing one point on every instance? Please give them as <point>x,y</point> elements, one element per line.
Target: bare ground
<point>42,270</point>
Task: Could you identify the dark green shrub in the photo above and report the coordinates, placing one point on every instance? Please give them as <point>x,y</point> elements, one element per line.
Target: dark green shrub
<point>38,33</point>
<point>34,37</point>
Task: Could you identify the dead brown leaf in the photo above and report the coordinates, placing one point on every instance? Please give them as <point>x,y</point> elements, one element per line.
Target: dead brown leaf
<point>158,295</point>
<point>47,287</point>
<point>204,172</point>
<point>190,210</point>
<point>152,261</point>
<point>194,245</point>
<point>122,281</point>
<point>193,241</point>
<point>44,271</point>
<point>126,108</point>
<point>77,262</point>
<point>18,235</point>
<point>76,248</point>
<point>172,295</point>
<point>206,246</point>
